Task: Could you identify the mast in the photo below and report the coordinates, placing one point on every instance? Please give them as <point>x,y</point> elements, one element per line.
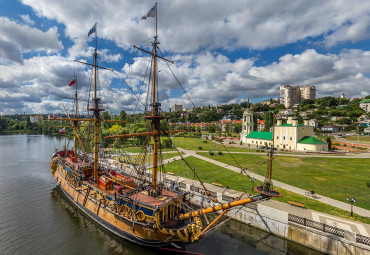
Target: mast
<point>76,123</point>
<point>155,106</point>
<point>96,113</point>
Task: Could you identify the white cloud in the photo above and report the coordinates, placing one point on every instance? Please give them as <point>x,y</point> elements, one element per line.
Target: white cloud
<point>211,24</point>
<point>17,38</point>
<point>214,79</point>
<point>26,18</point>
<point>193,33</point>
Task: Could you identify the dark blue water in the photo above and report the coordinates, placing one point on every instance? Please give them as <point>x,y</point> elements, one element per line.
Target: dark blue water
<point>36,218</point>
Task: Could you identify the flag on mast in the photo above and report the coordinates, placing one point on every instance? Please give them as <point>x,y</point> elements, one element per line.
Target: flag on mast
<point>62,131</point>
<point>92,30</point>
<point>150,13</point>
<point>72,82</point>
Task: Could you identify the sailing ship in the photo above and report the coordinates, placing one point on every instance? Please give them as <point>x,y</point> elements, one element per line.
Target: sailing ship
<point>146,212</point>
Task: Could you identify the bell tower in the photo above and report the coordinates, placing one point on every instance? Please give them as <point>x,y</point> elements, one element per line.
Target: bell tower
<point>247,126</point>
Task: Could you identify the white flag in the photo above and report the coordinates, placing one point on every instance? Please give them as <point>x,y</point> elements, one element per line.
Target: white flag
<point>150,13</point>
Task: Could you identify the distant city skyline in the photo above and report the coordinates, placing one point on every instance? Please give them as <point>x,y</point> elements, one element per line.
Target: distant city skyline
<point>224,52</point>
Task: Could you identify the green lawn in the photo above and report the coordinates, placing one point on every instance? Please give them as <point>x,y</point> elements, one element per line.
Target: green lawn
<point>332,177</point>
<point>211,173</point>
<point>354,138</point>
<point>207,145</point>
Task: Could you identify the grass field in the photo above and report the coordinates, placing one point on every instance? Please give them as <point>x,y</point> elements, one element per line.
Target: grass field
<point>354,138</point>
<point>332,177</point>
<point>207,145</point>
<point>211,173</point>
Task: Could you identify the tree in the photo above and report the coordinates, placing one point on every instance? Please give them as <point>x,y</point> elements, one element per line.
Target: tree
<point>269,121</point>
<point>345,121</point>
<point>300,119</point>
<point>328,141</point>
<point>238,128</point>
<point>211,128</point>
<point>106,116</point>
<point>122,117</point>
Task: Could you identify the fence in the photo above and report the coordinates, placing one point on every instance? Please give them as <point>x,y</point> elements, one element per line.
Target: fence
<point>326,228</point>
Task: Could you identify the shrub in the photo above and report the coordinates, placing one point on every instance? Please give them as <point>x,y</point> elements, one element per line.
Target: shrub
<point>220,153</point>
<point>257,150</point>
<point>211,153</point>
<point>200,148</point>
<point>166,144</point>
<point>205,141</point>
<point>241,142</point>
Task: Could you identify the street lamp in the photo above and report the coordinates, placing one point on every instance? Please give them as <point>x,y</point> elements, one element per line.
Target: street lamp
<point>351,200</point>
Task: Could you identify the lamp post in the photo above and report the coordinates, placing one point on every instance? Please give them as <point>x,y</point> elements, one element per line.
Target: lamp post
<point>351,200</point>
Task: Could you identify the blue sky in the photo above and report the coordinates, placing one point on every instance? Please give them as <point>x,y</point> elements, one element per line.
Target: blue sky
<point>224,51</point>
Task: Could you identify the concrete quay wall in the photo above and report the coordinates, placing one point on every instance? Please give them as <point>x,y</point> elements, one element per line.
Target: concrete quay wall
<point>277,223</point>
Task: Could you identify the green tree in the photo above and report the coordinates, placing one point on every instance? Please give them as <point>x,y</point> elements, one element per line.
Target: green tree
<point>122,117</point>
<point>328,141</point>
<point>211,129</point>
<point>238,128</point>
<point>300,119</point>
<point>106,116</point>
<point>269,120</point>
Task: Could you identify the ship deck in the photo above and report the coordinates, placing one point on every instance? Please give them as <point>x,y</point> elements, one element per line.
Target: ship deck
<point>141,196</point>
<point>144,197</point>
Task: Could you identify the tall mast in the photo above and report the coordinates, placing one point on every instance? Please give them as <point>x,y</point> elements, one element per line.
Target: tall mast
<point>155,114</point>
<point>155,106</point>
<point>96,112</point>
<point>76,122</point>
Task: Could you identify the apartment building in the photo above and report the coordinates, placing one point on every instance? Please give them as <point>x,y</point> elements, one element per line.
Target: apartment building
<point>177,108</point>
<point>290,95</point>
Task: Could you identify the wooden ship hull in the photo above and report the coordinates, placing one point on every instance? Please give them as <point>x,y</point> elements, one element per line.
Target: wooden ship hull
<point>147,223</point>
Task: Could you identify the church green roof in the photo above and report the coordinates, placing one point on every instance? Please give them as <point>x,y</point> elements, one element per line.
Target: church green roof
<point>260,135</point>
<point>291,125</point>
<point>310,140</point>
<point>365,101</point>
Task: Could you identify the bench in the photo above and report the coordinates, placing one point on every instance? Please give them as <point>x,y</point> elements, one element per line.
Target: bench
<point>217,184</point>
<point>296,204</point>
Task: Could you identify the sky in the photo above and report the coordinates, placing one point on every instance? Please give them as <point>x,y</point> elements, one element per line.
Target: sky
<point>223,51</point>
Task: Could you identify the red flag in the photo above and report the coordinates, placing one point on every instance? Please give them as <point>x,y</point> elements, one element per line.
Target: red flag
<point>72,82</point>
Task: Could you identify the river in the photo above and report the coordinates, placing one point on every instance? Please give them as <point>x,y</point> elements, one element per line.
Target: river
<point>36,218</point>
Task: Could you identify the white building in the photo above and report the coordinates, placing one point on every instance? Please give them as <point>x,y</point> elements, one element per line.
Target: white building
<point>177,108</point>
<point>247,125</point>
<point>365,105</point>
<point>290,95</point>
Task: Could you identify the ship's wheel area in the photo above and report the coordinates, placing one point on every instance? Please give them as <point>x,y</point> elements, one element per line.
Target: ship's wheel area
<point>267,192</point>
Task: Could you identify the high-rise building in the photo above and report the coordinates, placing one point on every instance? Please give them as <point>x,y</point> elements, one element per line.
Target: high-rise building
<point>308,92</point>
<point>290,95</point>
<point>177,108</point>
